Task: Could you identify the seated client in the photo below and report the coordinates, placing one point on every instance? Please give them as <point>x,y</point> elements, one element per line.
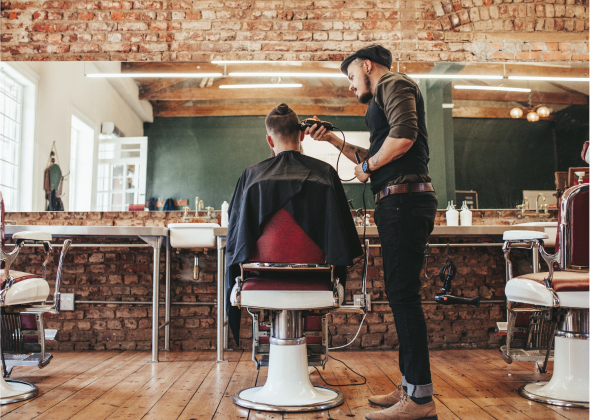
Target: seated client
<point>307,188</point>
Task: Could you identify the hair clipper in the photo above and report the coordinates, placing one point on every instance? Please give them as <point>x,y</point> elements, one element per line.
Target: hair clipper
<point>310,122</point>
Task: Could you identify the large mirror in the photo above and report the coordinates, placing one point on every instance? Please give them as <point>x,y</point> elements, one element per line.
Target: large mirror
<point>104,136</point>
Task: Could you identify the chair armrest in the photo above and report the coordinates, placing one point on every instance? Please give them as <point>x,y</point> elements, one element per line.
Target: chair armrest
<point>32,236</point>
<point>524,235</point>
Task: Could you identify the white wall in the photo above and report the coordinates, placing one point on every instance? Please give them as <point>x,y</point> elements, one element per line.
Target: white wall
<point>62,90</point>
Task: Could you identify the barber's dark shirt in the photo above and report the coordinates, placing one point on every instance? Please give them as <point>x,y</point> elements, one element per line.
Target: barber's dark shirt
<point>397,110</point>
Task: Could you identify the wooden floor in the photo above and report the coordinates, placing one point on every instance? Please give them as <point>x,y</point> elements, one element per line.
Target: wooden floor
<point>469,384</point>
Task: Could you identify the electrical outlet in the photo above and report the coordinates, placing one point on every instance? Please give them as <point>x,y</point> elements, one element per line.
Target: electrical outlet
<point>66,302</point>
<point>359,300</point>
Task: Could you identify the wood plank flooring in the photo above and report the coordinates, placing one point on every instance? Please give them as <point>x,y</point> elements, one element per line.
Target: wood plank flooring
<point>468,384</point>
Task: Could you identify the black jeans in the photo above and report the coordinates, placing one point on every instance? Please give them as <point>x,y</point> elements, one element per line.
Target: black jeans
<point>404,222</point>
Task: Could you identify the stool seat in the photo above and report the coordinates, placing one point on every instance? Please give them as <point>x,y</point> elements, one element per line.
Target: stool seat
<point>572,288</point>
<point>524,235</point>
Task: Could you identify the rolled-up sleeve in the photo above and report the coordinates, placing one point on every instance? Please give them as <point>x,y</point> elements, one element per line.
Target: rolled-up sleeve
<point>397,98</point>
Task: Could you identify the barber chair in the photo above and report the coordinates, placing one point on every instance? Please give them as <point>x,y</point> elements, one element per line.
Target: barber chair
<point>289,290</point>
<point>22,305</point>
<point>528,335</point>
<point>558,301</point>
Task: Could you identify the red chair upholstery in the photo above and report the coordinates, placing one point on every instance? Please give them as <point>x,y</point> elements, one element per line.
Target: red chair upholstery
<point>283,241</point>
<point>580,230</point>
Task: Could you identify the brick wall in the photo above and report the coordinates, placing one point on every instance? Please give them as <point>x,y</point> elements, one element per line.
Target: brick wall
<point>125,274</point>
<point>428,30</point>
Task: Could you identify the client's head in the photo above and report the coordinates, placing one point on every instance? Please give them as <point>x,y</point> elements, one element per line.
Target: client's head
<point>282,129</point>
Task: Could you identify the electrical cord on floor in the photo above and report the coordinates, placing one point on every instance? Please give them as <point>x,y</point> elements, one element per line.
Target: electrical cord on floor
<point>356,373</point>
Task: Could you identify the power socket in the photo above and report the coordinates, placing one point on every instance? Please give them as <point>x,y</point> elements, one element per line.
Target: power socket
<point>359,300</point>
<point>66,302</point>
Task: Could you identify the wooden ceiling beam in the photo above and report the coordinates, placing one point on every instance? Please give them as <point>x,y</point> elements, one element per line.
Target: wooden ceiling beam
<point>197,94</point>
<point>536,97</point>
<point>474,112</point>
<point>177,110</point>
<point>204,67</point>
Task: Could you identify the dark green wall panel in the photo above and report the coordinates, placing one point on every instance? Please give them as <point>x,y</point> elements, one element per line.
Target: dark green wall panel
<point>205,156</point>
<point>499,158</point>
<point>571,131</point>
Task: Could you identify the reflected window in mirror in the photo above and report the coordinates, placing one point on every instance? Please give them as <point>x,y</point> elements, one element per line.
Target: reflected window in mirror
<point>11,107</point>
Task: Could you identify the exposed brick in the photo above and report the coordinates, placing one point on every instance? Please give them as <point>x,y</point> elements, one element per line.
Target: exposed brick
<point>556,56</point>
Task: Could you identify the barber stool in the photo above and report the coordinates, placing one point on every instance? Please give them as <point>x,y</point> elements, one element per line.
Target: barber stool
<point>22,305</point>
<point>288,289</point>
<point>561,297</point>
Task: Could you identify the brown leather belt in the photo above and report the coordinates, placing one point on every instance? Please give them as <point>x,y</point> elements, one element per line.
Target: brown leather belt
<point>402,189</point>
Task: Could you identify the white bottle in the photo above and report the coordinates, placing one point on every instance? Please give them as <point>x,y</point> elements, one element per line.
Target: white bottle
<point>224,215</point>
<point>465,215</point>
<point>452,215</point>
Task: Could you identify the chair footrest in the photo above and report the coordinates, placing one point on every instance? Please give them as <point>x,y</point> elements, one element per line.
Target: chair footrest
<point>312,360</point>
<point>522,355</point>
<point>27,359</point>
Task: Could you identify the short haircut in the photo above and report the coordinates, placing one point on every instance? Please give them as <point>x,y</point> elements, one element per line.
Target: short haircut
<point>360,61</point>
<point>283,122</point>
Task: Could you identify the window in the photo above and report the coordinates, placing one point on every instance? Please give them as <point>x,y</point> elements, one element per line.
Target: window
<point>11,106</point>
<point>122,168</point>
<point>81,158</point>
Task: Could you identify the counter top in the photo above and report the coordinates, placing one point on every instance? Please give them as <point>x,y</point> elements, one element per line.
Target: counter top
<point>96,231</point>
<point>479,230</point>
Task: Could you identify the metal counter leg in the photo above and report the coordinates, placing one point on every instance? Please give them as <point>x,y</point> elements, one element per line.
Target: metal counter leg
<point>220,300</point>
<point>156,243</point>
<point>167,302</point>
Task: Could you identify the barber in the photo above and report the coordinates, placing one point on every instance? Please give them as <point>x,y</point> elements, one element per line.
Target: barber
<point>405,207</point>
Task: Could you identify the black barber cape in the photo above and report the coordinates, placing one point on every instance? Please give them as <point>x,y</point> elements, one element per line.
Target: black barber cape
<point>307,188</point>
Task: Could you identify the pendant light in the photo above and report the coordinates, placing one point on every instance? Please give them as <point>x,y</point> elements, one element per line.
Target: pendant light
<point>516,112</point>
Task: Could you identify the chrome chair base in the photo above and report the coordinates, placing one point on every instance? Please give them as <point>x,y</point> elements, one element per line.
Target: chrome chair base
<point>13,391</point>
<point>528,391</point>
<point>324,405</point>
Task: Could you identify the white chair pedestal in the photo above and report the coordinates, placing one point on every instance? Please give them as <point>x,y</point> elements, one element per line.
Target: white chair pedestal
<point>569,386</point>
<point>288,387</point>
<point>12,391</point>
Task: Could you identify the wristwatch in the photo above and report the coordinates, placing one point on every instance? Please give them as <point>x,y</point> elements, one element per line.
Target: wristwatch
<point>366,167</point>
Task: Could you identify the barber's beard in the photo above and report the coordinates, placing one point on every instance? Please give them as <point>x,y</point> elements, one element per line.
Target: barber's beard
<point>366,97</point>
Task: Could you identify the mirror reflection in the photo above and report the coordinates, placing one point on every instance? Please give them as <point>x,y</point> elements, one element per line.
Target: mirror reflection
<point>107,136</point>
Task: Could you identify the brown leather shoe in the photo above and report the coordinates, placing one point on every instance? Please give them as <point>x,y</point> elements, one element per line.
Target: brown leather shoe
<point>406,409</point>
<point>388,400</point>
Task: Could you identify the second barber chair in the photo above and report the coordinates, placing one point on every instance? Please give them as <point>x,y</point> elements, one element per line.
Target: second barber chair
<point>288,289</point>
<point>22,305</point>
<point>558,301</point>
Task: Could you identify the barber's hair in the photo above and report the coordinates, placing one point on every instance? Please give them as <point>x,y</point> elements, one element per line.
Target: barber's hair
<point>283,122</point>
<point>360,61</point>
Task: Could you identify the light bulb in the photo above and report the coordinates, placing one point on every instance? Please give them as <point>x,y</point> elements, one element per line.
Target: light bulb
<point>543,111</point>
<point>516,112</point>
<point>532,116</point>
